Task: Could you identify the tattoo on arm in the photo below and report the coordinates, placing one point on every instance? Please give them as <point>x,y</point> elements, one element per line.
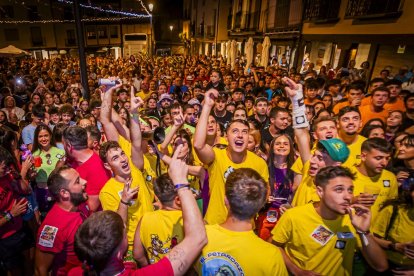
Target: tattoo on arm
<point>178,255</point>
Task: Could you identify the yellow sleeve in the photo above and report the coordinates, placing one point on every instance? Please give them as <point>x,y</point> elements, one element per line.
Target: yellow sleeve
<point>279,267</point>
<point>297,167</point>
<point>108,201</point>
<point>394,188</point>
<point>283,229</point>
<point>382,221</point>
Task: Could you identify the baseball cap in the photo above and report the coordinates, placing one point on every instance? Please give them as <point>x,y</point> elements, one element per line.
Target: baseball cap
<point>165,97</point>
<point>336,148</point>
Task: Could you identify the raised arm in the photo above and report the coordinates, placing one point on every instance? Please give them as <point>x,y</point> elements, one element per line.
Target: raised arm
<point>204,151</point>
<point>111,132</point>
<point>300,122</point>
<point>183,255</point>
<point>178,123</point>
<point>137,155</point>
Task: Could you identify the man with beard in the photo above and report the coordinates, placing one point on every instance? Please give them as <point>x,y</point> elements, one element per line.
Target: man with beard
<point>221,162</point>
<point>56,236</point>
<point>279,123</point>
<point>374,185</point>
<point>321,239</point>
<point>349,123</point>
<point>86,163</point>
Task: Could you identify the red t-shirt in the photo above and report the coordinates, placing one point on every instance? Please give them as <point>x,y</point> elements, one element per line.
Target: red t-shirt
<point>161,268</point>
<point>7,198</point>
<point>57,235</point>
<point>94,172</point>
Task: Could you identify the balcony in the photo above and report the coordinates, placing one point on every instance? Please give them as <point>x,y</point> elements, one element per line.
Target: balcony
<point>322,11</point>
<point>252,21</point>
<point>237,20</point>
<point>368,9</point>
<point>209,30</point>
<point>70,42</point>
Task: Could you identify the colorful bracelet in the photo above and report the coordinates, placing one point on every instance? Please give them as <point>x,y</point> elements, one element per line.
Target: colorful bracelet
<point>8,216</point>
<point>180,186</point>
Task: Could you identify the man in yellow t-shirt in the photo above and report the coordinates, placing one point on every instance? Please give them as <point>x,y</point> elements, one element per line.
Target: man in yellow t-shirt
<point>221,162</point>
<point>349,124</point>
<point>322,238</point>
<point>374,185</point>
<point>116,160</point>
<point>233,248</point>
<point>159,231</point>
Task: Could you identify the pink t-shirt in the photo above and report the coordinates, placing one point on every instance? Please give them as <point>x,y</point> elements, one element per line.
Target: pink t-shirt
<point>161,268</point>
<point>57,235</point>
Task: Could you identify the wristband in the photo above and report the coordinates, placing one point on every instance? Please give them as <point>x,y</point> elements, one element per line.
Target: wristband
<point>363,232</point>
<point>180,186</point>
<point>126,203</point>
<point>363,235</point>
<point>8,216</point>
<point>392,246</point>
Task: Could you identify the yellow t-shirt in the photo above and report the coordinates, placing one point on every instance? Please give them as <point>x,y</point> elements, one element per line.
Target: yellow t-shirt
<point>110,197</point>
<point>385,184</point>
<point>354,153</point>
<point>143,95</point>
<point>218,172</point>
<point>312,243</point>
<point>306,191</point>
<point>297,166</point>
<point>147,173</point>
<point>238,253</point>
<point>402,230</point>
<point>160,231</point>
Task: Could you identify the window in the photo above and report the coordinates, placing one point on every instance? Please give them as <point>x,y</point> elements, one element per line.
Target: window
<point>90,32</point>
<point>113,32</point>
<point>6,12</point>
<point>11,34</point>
<point>102,32</point>
<point>36,33</point>
<point>32,13</point>
<point>70,38</point>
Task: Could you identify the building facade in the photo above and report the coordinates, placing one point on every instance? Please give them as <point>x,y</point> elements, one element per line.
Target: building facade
<point>43,39</point>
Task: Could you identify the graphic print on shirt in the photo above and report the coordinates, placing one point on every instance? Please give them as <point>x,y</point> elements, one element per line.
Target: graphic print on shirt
<point>48,235</point>
<point>219,263</point>
<point>322,235</point>
<point>159,247</point>
<point>229,170</point>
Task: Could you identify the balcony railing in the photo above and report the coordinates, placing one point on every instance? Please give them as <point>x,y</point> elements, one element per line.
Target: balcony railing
<point>252,20</point>
<point>322,11</point>
<point>369,9</point>
<point>237,21</point>
<point>209,30</point>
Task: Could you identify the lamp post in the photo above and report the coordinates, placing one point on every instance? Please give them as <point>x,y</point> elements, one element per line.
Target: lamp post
<point>151,7</point>
<point>171,29</point>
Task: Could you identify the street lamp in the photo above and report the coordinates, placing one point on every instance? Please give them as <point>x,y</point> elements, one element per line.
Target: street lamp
<point>171,27</point>
<point>151,7</point>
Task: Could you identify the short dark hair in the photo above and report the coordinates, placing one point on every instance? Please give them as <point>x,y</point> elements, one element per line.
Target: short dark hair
<point>56,181</point>
<point>275,110</point>
<point>246,192</point>
<point>376,143</point>
<point>366,130</point>
<point>393,82</point>
<point>94,132</point>
<point>53,110</point>
<point>311,84</point>
<point>382,89</point>
<point>164,189</point>
<point>66,108</point>
<point>76,136</point>
<point>347,109</point>
<point>320,120</point>
<point>93,245</point>
<point>355,86</point>
<point>95,104</point>
<point>326,174</point>
<point>244,122</point>
<point>106,147</point>
<point>375,80</point>
<point>38,110</point>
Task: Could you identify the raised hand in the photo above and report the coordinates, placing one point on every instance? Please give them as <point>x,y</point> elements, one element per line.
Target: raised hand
<point>127,193</point>
<point>210,97</point>
<point>19,207</point>
<point>179,119</point>
<point>136,102</point>
<point>361,218</point>
<point>292,88</point>
<point>178,169</point>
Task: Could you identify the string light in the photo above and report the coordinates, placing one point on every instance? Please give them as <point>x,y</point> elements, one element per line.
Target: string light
<point>131,14</point>
<point>144,7</point>
<point>66,21</point>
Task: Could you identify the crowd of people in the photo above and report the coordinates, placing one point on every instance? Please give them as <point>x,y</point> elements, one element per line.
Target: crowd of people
<point>184,165</point>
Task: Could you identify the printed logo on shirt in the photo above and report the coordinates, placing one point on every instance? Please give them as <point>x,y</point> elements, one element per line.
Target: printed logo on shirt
<point>219,263</point>
<point>229,170</point>
<point>322,235</point>
<point>386,183</point>
<point>345,235</point>
<point>47,236</point>
<point>340,244</point>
